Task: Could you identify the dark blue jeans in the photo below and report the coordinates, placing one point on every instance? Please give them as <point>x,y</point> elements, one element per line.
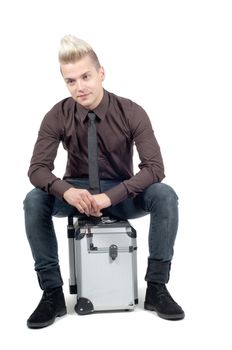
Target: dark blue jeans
<point>159,200</point>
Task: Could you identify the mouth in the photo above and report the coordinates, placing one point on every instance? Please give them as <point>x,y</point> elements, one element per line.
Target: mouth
<point>83,96</point>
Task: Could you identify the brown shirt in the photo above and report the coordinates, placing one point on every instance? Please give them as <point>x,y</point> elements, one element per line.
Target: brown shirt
<point>121,124</point>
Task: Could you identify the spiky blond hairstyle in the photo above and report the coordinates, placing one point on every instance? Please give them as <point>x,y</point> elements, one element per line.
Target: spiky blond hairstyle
<point>73,49</point>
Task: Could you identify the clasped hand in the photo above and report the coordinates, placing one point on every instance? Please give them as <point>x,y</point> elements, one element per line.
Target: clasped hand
<point>85,202</point>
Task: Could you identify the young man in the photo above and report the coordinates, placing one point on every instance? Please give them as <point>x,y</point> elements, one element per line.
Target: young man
<point>120,123</point>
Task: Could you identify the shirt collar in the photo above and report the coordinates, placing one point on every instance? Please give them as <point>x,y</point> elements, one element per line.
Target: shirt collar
<point>100,110</point>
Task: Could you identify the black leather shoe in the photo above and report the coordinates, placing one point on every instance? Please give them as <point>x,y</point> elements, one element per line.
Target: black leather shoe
<point>51,305</point>
<point>159,299</point>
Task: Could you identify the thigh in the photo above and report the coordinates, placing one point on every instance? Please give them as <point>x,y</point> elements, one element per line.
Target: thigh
<point>62,209</point>
<point>39,202</point>
<point>143,203</point>
<point>130,208</point>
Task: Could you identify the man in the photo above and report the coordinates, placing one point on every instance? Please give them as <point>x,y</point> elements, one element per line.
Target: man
<point>120,124</point>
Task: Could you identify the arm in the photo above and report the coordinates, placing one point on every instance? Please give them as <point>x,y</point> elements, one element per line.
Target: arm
<point>44,154</point>
<point>151,165</point>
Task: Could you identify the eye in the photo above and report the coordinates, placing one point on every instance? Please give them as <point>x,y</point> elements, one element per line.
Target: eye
<point>86,77</point>
<point>70,82</point>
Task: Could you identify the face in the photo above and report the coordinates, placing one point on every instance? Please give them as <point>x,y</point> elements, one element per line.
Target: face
<point>84,82</point>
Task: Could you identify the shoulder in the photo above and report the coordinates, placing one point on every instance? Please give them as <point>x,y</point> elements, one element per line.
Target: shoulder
<point>56,116</point>
<point>64,106</point>
<point>60,111</point>
<point>121,101</point>
<point>130,108</point>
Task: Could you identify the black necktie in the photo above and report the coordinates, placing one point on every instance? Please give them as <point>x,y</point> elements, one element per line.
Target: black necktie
<point>94,185</point>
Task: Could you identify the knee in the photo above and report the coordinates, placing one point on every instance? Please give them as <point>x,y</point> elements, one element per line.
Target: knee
<point>35,200</point>
<point>167,193</point>
<point>161,194</point>
<point>30,201</point>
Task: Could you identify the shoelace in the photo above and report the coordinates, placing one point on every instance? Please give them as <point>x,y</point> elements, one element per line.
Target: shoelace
<point>162,292</point>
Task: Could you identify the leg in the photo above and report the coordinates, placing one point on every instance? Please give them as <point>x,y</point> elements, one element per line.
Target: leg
<point>161,202</point>
<point>39,207</point>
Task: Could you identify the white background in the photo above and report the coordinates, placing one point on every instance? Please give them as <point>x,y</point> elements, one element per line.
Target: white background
<point>174,58</point>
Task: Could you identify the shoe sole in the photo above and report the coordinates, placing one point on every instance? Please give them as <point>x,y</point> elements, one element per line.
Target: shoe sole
<point>47,323</point>
<point>174,317</point>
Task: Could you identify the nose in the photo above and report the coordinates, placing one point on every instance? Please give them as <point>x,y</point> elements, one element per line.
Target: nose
<point>79,85</point>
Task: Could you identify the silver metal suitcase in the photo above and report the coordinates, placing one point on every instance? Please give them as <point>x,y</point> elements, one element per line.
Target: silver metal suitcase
<point>102,265</point>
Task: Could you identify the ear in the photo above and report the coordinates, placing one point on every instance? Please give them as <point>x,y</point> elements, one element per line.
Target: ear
<point>102,73</point>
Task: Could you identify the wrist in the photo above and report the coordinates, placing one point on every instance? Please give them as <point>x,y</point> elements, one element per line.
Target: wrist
<point>108,200</point>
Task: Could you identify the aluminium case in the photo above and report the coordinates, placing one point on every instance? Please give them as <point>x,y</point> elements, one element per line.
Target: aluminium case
<point>103,265</point>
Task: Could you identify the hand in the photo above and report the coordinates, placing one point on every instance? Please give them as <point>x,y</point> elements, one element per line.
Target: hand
<point>83,200</point>
<point>103,201</point>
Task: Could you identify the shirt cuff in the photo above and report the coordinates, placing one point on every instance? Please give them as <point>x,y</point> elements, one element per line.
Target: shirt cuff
<point>59,187</point>
<point>117,194</point>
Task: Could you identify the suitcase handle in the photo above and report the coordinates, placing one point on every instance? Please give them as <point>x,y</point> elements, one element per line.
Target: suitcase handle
<point>112,250</point>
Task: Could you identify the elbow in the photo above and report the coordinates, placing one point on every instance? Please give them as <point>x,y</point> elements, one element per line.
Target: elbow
<point>158,173</point>
<point>162,173</point>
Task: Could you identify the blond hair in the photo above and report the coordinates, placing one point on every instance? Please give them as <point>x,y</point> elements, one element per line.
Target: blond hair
<point>73,49</point>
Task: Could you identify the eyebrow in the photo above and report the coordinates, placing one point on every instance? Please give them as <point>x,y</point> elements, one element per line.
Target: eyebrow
<point>81,76</point>
<point>69,79</point>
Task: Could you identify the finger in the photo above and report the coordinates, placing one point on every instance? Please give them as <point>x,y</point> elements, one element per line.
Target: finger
<point>82,208</point>
<point>79,208</point>
<point>93,205</point>
<point>89,201</point>
<point>97,213</point>
<point>86,205</point>
<point>82,204</point>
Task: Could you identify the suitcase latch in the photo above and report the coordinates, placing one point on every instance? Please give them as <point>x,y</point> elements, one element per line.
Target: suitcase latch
<point>113,251</point>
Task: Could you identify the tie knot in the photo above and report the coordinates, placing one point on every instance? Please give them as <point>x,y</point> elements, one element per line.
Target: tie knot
<point>92,116</point>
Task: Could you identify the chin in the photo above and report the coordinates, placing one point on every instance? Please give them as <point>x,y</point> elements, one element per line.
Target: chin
<point>83,102</point>
<point>85,105</point>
